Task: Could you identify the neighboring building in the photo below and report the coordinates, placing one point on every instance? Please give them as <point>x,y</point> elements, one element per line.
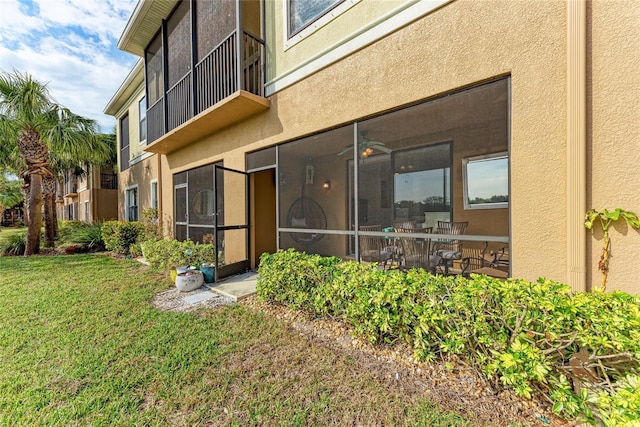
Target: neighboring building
<point>13,216</point>
<point>293,123</point>
<point>138,170</point>
<point>90,196</point>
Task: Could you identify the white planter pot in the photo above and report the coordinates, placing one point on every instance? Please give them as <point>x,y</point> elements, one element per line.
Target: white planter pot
<point>189,281</point>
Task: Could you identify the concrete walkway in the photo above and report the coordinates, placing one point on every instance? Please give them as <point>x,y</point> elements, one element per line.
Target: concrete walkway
<point>236,287</point>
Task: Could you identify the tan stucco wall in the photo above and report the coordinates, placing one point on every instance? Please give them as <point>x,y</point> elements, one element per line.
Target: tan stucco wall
<point>463,43</point>
<point>141,174</point>
<point>132,108</point>
<point>614,135</point>
<point>107,208</point>
<point>341,27</point>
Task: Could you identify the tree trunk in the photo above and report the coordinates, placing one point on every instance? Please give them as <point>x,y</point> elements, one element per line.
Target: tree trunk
<point>48,192</point>
<point>25,197</point>
<point>35,223</point>
<point>60,193</point>
<point>36,156</point>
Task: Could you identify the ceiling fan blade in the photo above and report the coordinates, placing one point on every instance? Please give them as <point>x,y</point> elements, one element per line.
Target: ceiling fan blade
<point>346,150</point>
<point>380,146</point>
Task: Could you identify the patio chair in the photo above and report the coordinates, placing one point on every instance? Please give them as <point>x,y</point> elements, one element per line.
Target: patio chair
<point>449,250</point>
<point>478,261</point>
<point>374,248</point>
<point>415,250</point>
<point>501,259</point>
<point>405,223</point>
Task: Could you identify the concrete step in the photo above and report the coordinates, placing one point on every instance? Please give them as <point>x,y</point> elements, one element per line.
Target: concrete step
<point>236,287</point>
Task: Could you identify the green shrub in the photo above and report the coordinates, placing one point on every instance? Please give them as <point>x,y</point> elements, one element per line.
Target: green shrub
<point>530,337</point>
<point>166,254</point>
<point>292,277</point>
<point>152,228</point>
<point>14,244</point>
<point>118,236</point>
<point>87,236</point>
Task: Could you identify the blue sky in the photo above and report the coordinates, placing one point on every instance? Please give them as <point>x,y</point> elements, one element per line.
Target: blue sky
<point>71,45</point>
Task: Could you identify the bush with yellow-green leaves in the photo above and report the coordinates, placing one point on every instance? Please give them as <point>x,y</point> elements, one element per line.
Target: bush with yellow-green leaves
<point>580,350</point>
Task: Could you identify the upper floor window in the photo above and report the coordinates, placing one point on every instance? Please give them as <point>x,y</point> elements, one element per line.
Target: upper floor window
<point>304,12</point>
<point>124,143</point>
<point>142,108</point>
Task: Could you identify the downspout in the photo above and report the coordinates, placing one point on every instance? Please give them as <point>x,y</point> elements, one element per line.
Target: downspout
<point>576,144</point>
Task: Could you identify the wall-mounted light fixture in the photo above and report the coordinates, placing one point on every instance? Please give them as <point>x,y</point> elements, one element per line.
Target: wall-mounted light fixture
<point>326,185</point>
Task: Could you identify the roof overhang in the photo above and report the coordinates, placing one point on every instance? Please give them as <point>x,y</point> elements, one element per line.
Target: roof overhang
<point>143,24</point>
<point>129,86</point>
<point>231,110</point>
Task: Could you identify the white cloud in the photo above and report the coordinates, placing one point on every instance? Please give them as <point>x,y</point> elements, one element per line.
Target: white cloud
<point>71,44</point>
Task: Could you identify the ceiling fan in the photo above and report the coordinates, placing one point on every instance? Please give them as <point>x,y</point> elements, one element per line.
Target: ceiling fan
<point>366,146</point>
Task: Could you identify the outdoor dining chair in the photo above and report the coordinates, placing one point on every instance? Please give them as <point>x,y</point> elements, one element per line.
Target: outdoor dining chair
<point>374,248</point>
<point>449,250</point>
<point>415,250</point>
<point>478,261</point>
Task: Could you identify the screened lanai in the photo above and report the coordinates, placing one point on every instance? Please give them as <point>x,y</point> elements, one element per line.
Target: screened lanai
<point>444,159</point>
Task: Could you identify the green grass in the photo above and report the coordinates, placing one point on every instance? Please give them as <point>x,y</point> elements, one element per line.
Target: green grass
<point>5,232</point>
<point>80,344</point>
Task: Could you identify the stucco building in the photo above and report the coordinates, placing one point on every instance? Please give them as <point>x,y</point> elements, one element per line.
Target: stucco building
<point>87,195</point>
<point>137,169</point>
<point>274,124</point>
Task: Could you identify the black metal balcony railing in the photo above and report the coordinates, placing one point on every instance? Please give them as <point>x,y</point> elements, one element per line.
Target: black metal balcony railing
<point>215,77</point>
<point>216,74</point>
<point>179,106</point>
<point>155,120</point>
<point>108,181</point>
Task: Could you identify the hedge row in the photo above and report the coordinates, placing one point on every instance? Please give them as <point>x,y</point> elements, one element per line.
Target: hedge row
<point>165,254</point>
<point>582,350</point>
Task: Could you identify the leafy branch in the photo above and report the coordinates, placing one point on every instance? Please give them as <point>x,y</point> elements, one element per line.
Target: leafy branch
<point>606,218</point>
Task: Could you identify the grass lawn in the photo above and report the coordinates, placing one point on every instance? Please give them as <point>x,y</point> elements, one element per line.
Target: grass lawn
<point>5,232</point>
<point>80,344</point>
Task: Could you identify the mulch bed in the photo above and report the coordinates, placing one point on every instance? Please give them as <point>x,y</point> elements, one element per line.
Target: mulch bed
<point>452,386</point>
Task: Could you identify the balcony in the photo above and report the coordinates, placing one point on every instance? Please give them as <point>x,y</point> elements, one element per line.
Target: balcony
<point>108,181</point>
<point>70,190</point>
<point>225,88</point>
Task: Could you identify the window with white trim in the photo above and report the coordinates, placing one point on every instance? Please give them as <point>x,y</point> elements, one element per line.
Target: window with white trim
<point>131,205</point>
<point>154,194</point>
<point>486,181</point>
<point>142,109</point>
<point>302,13</point>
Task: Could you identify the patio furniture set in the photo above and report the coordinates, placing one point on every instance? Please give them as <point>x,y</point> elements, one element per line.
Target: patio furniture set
<point>409,248</point>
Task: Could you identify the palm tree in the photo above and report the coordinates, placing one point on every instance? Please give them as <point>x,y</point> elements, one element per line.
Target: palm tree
<point>32,120</point>
<point>10,192</point>
<point>70,148</point>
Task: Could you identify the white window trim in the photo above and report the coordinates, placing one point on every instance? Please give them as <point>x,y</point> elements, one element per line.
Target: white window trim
<point>126,201</point>
<point>315,25</point>
<point>385,25</point>
<point>143,141</point>
<point>465,184</point>
<point>86,211</point>
<point>154,181</point>
<point>140,157</point>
